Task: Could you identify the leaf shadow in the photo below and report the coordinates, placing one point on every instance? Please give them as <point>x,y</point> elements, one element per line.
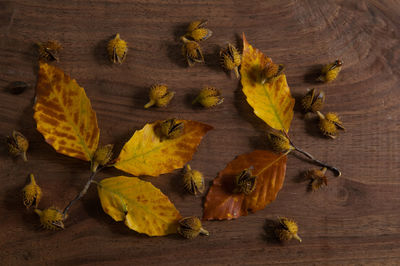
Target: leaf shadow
<point>213,61</point>
<point>269,232</point>
<point>246,112</point>
<point>12,203</point>
<point>141,96</point>
<point>100,53</point>
<point>312,74</point>
<point>174,47</point>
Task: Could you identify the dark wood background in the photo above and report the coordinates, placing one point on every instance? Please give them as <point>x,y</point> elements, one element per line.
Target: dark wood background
<point>355,220</point>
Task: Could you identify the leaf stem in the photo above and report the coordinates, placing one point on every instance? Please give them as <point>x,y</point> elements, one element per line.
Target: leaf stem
<point>269,165</point>
<point>81,194</point>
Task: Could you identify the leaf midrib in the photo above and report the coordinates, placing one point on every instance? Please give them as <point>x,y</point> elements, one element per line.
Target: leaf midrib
<point>133,201</point>
<point>68,119</point>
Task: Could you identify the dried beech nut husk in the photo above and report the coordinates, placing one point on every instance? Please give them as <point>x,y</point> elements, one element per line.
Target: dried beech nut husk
<point>190,227</point>
<point>197,31</point>
<point>231,59</point>
<point>330,124</point>
<point>271,71</point>
<point>17,145</point>
<point>334,118</point>
<point>191,50</point>
<point>159,96</point>
<point>171,129</point>
<point>317,178</point>
<point>31,193</point>
<point>51,218</point>
<point>313,101</point>
<point>193,181</point>
<point>102,156</point>
<point>330,71</point>
<point>117,49</point>
<point>279,142</point>
<point>49,50</point>
<point>286,229</point>
<point>245,182</point>
<point>209,97</point>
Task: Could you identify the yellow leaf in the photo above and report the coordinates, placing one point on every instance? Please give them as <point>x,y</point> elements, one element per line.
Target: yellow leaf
<point>143,207</point>
<point>271,101</point>
<point>64,115</point>
<point>146,154</point>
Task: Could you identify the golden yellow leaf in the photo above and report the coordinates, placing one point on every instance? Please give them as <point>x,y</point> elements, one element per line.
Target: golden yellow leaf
<point>148,153</point>
<point>143,207</point>
<point>271,101</point>
<point>64,115</point>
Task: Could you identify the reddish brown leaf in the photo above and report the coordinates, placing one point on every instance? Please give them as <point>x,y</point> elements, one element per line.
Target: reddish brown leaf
<point>221,203</point>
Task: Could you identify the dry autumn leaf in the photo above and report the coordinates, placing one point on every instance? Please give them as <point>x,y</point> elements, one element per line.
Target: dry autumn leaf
<point>64,115</point>
<point>271,101</point>
<point>146,153</point>
<point>222,203</point>
<point>143,207</point>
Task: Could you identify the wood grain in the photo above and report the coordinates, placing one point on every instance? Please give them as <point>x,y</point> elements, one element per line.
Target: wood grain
<point>355,220</point>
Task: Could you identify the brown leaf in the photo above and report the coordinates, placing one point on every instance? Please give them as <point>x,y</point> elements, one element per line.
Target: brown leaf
<point>221,203</point>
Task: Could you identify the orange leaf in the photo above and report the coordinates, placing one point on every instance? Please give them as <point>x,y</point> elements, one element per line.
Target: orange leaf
<point>143,207</point>
<point>271,101</point>
<point>64,115</point>
<point>146,154</point>
<point>221,203</point>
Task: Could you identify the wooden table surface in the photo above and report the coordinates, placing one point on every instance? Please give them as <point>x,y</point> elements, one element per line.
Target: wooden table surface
<point>355,220</point>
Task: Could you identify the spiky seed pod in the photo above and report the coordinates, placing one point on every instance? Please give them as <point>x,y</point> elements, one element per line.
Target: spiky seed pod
<point>197,31</point>
<point>49,50</point>
<point>330,71</point>
<point>102,156</point>
<point>329,127</point>
<point>279,142</point>
<point>117,49</point>
<point>159,96</point>
<point>31,193</point>
<point>190,227</point>
<point>171,129</point>
<point>191,50</point>
<point>193,181</point>
<point>17,144</point>
<point>231,59</point>
<point>334,118</point>
<point>317,178</point>
<point>286,229</point>
<point>271,71</point>
<point>51,218</point>
<point>245,182</point>
<point>209,97</point>
<point>313,101</point>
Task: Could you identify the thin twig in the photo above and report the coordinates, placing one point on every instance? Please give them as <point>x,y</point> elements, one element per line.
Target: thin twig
<point>309,156</point>
<point>332,168</point>
<point>81,194</point>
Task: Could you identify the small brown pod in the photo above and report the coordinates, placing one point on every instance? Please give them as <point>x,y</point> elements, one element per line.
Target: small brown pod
<point>193,181</point>
<point>313,101</point>
<point>190,227</point>
<point>245,182</point>
<point>171,129</point>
